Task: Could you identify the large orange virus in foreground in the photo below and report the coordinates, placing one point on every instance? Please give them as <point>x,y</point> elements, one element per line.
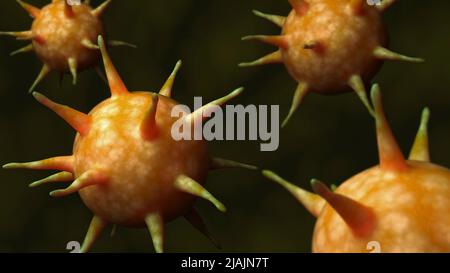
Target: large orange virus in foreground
<point>330,46</point>
<point>63,36</point>
<point>400,205</point>
<point>126,165</point>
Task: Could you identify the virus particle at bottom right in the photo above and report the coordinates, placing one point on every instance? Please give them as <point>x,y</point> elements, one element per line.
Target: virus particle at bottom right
<point>401,205</point>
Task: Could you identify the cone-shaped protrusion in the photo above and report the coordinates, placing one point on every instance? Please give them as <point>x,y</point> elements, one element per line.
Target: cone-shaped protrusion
<point>115,82</point>
<point>357,84</point>
<point>197,222</point>
<point>44,72</point>
<point>385,54</point>
<point>79,121</point>
<point>155,225</point>
<point>101,9</point>
<point>25,49</point>
<point>385,4</point>
<point>95,230</point>
<point>300,6</point>
<point>271,58</point>
<point>420,150</point>
<point>359,218</point>
<point>188,185</point>
<point>20,35</point>
<point>88,44</point>
<point>220,163</point>
<point>73,69</point>
<point>149,129</point>
<point>300,93</point>
<point>312,202</point>
<point>56,178</point>
<point>32,10</point>
<point>68,9</point>
<point>391,157</point>
<point>209,108</point>
<point>121,43</point>
<point>279,41</point>
<point>89,178</point>
<point>276,19</point>
<point>62,163</point>
<point>166,90</point>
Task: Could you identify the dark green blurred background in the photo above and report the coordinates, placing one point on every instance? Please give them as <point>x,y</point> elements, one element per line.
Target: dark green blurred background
<point>331,138</point>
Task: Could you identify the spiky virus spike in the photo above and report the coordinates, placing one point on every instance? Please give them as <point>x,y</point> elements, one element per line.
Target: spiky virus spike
<point>32,10</point>
<point>56,178</point>
<point>79,121</point>
<point>391,157</point>
<point>358,217</point>
<point>61,163</point>
<point>19,35</point>
<point>42,75</point>
<point>420,150</point>
<point>166,90</point>
<point>385,54</point>
<point>188,185</point>
<point>149,129</point>
<point>121,43</point>
<point>328,62</point>
<point>24,49</point>
<point>205,111</point>
<point>59,24</point>
<point>385,4</point>
<point>312,202</point>
<point>98,12</point>
<point>279,41</point>
<point>220,163</point>
<point>96,227</point>
<point>194,218</point>
<point>87,179</point>
<point>155,225</point>
<point>125,174</point>
<point>300,94</point>
<point>115,81</point>
<point>276,19</point>
<point>271,58</point>
<point>357,84</point>
<point>73,69</point>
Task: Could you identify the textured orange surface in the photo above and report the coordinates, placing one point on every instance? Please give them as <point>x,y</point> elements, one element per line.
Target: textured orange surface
<point>412,210</point>
<point>344,42</point>
<point>141,173</point>
<point>60,36</point>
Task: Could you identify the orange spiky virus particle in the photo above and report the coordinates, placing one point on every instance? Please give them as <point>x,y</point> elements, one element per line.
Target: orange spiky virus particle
<point>398,206</point>
<point>127,168</point>
<point>63,36</point>
<point>329,46</point>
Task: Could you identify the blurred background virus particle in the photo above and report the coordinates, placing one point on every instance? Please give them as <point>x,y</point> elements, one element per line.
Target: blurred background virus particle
<point>127,167</point>
<point>63,36</point>
<point>401,205</point>
<point>329,46</point>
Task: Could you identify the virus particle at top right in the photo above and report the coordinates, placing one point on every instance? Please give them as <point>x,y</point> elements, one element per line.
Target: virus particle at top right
<point>399,206</point>
<point>330,46</point>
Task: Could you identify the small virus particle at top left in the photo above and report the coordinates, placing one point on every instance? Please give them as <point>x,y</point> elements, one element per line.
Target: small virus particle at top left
<point>63,36</point>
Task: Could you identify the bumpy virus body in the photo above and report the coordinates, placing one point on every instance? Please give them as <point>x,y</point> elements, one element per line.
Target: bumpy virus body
<point>329,46</point>
<point>400,205</point>
<point>127,167</point>
<point>63,37</point>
